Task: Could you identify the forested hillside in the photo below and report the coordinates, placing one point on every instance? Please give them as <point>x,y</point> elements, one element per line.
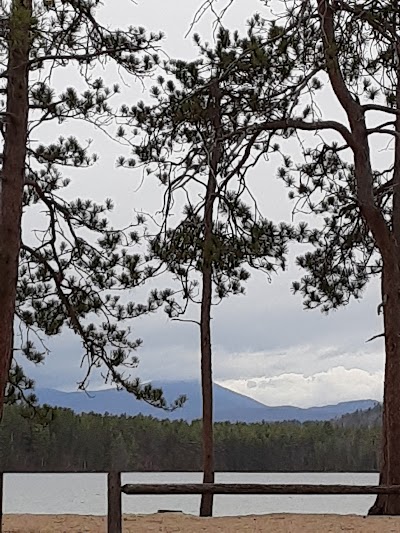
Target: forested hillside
<point>62,440</point>
<point>368,417</point>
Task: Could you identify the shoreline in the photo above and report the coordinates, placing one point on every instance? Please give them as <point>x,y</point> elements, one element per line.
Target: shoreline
<point>180,523</point>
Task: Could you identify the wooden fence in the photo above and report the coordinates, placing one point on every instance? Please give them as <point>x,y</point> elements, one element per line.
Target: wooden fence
<point>115,489</point>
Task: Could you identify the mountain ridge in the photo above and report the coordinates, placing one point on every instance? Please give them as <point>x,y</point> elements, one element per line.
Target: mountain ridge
<point>229,406</point>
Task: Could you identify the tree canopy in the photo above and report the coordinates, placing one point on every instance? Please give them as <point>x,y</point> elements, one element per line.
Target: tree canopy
<point>74,266</point>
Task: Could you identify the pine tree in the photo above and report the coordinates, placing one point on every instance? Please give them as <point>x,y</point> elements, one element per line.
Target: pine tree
<point>70,273</point>
<point>197,140</point>
<point>355,47</point>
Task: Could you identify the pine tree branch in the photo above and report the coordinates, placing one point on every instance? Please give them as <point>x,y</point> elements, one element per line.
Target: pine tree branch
<point>299,124</point>
<point>383,28</point>
<point>375,337</point>
<point>186,320</point>
<point>378,107</point>
<point>83,57</point>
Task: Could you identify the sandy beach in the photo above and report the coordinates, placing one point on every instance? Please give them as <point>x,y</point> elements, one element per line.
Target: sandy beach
<point>180,523</point>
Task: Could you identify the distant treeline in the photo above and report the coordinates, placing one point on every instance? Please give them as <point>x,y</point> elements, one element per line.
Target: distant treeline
<point>62,440</point>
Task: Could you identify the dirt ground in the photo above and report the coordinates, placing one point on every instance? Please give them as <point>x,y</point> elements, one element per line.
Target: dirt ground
<point>181,523</point>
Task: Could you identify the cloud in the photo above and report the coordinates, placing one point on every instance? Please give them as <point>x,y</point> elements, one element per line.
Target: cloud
<point>322,388</point>
<point>304,359</point>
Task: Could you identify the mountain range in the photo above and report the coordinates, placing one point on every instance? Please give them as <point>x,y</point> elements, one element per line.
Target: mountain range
<point>228,405</point>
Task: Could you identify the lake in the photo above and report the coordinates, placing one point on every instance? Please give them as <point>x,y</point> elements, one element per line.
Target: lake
<point>86,494</point>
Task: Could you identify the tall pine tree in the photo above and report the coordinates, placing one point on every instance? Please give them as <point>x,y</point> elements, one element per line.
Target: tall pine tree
<point>197,140</point>
<point>352,47</point>
<point>71,272</point>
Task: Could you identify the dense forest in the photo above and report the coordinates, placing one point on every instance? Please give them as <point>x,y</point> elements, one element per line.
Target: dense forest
<point>60,440</point>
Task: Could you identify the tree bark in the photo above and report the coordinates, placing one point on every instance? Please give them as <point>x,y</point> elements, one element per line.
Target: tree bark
<point>206,505</point>
<point>390,466</point>
<point>12,178</point>
<point>387,241</point>
<point>206,362</point>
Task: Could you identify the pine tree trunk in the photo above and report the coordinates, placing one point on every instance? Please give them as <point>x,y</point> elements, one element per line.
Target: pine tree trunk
<point>206,505</point>
<point>390,458</point>
<point>12,178</point>
<point>206,381</point>
<point>390,465</point>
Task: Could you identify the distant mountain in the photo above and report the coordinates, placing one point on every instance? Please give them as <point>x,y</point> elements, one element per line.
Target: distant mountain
<point>228,405</point>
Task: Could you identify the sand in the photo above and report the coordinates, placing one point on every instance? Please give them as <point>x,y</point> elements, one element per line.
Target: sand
<point>180,523</point>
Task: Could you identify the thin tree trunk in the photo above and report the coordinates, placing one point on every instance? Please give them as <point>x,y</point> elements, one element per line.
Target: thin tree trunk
<point>206,367</point>
<point>206,505</point>
<point>12,178</point>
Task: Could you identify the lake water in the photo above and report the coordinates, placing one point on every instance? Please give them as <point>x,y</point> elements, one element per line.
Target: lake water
<point>86,494</point>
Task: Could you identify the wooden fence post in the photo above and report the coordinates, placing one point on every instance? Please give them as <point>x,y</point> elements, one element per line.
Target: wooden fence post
<point>1,500</point>
<point>114,498</point>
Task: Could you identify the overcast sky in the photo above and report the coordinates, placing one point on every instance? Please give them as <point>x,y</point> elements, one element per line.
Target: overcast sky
<point>265,345</point>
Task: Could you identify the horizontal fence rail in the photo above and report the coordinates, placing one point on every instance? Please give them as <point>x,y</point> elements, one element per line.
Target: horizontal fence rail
<point>251,488</point>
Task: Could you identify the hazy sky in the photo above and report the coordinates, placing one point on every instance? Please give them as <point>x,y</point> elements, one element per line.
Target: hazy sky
<point>264,344</point>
